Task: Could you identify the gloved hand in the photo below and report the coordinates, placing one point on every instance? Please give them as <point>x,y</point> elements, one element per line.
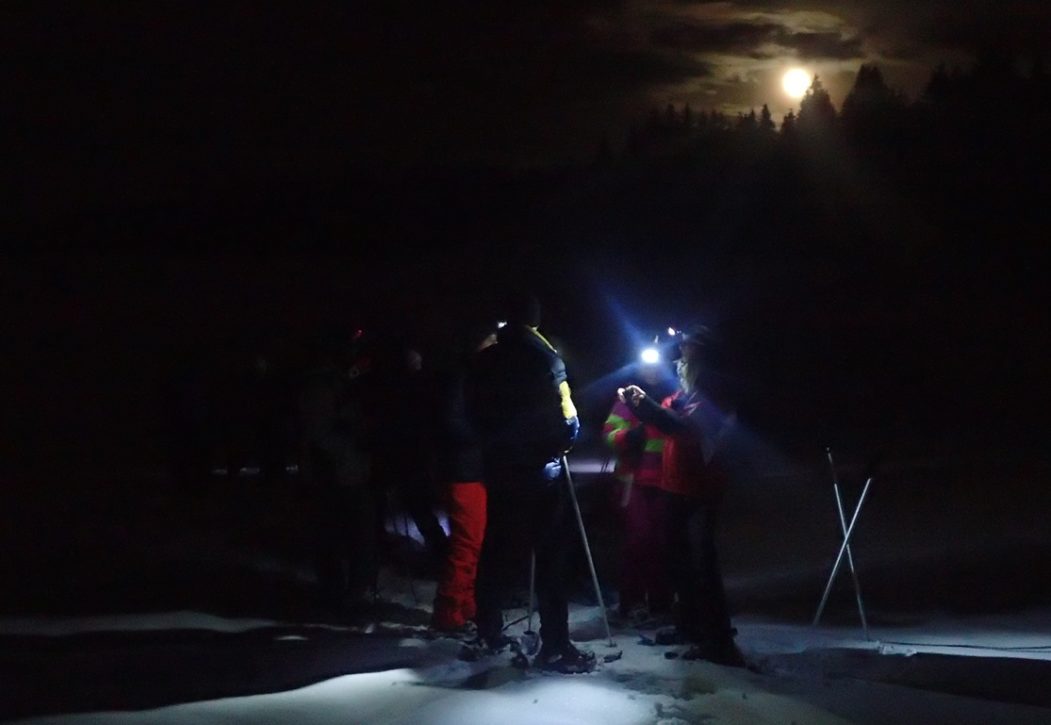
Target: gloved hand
<point>572,432</point>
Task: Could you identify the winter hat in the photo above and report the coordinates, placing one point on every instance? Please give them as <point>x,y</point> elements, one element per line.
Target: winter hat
<point>523,308</point>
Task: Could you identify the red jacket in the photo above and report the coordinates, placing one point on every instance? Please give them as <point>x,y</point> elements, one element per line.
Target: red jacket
<point>691,427</point>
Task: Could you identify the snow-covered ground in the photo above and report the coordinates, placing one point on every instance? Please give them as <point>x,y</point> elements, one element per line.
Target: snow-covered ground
<point>955,586</point>
<point>396,672</point>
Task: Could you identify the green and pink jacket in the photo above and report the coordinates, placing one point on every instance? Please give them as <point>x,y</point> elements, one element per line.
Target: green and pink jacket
<point>635,463</point>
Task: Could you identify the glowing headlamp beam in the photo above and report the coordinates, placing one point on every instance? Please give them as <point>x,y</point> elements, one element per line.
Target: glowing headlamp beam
<point>650,356</point>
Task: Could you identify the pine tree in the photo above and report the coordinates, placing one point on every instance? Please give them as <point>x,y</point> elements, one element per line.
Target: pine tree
<point>871,107</point>
<point>816,112</point>
<point>747,122</point>
<point>939,84</point>
<point>766,121</point>
<point>671,116</point>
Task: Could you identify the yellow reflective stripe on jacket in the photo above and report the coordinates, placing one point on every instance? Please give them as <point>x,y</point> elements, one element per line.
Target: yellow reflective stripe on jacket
<point>543,339</point>
<point>654,445</point>
<point>568,409</point>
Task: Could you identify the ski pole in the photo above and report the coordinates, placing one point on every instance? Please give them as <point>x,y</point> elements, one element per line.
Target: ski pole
<point>532,586</point>
<point>842,551</point>
<point>587,549</point>
<point>850,555</point>
<point>530,641</point>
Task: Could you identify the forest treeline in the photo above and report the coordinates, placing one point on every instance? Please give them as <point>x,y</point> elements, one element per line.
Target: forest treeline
<point>993,102</point>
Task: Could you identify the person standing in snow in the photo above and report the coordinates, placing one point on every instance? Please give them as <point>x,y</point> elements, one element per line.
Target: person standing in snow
<point>694,427</point>
<point>641,505</point>
<point>458,454</point>
<point>335,462</point>
<point>519,399</point>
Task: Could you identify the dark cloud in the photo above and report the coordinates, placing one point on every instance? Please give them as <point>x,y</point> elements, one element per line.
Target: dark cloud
<point>740,37</point>
<point>749,39</point>
<point>810,46</point>
<point>972,26</point>
<point>911,29</point>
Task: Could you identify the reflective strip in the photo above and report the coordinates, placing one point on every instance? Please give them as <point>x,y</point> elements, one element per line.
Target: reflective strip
<point>543,339</point>
<point>568,409</point>
<point>654,445</point>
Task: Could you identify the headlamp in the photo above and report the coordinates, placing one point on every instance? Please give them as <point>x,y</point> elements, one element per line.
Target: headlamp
<point>662,346</point>
<point>653,353</point>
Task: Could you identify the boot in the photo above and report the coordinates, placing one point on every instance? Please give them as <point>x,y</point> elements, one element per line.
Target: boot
<point>565,659</point>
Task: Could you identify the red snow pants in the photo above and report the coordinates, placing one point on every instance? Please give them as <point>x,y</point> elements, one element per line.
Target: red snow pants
<point>454,601</point>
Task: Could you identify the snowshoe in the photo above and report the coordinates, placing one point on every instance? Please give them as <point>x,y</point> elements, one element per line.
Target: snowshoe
<point>669,635</point>
<point>529,642</point>
<point>465,632</point>
<point>565,659</point>
<point>480,647</point>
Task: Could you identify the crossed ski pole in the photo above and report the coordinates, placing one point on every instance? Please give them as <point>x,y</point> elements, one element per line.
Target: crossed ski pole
<point>848,531</point>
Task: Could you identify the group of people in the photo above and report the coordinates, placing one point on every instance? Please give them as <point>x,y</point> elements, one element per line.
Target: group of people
<point>492,430</point>
<point>364,449</point>
<point>672,477</point>
<point>498,424</point>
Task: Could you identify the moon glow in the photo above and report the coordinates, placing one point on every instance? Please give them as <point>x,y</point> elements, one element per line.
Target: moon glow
<point>795,82</point>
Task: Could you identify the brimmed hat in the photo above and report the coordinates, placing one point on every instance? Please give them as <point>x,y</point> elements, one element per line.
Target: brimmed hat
<point>700,335</point>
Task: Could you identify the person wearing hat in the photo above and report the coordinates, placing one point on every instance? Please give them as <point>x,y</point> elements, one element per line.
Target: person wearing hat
<point>459,464</point>
<point>693,475</point>
<point>520,401</point>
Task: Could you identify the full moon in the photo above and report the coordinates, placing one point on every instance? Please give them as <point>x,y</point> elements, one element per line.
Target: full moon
<point>795,82</point>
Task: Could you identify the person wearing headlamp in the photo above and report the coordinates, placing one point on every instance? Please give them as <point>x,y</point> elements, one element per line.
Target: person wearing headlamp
<point>693,474</point>
<point>520,403</point>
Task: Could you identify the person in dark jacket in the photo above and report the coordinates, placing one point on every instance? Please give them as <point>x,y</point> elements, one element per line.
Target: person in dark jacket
<point>519,399</point>
<point>693,474</point>
<point>398,402</point>
<point>459,463</point>
<point>336,462</point>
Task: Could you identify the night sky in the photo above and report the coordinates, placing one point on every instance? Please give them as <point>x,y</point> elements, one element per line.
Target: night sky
<point>204,173</point>
<point>161,94</point>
